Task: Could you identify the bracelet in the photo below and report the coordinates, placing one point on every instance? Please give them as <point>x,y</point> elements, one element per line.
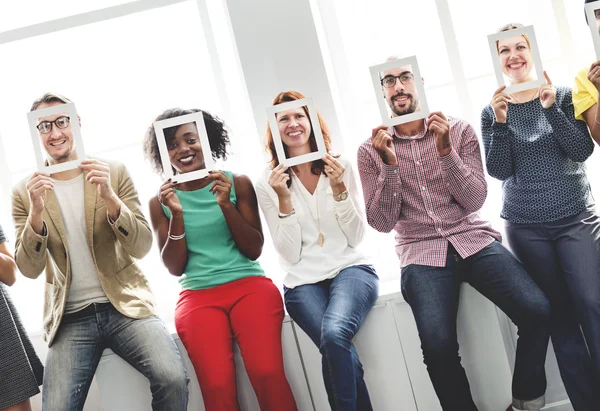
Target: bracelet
<point>177,237</point>
<point>288,214</point>
<point>596,120</point>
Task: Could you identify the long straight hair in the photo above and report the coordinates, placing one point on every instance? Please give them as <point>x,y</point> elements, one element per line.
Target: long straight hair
<point>317,167</point>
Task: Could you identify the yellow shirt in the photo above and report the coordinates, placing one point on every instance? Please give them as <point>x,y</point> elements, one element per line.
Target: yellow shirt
<point>585,94</point>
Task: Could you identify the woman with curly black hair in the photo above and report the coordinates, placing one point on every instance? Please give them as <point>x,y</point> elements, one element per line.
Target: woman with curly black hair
<point>209,234</point>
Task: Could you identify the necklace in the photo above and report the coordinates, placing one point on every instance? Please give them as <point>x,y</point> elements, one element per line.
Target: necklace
<point>524,101</point>
<point>317,221</point>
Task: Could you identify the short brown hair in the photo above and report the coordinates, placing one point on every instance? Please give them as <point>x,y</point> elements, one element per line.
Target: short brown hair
<point>49,98</point>
<point>317,167</point>
<point>513,26</point>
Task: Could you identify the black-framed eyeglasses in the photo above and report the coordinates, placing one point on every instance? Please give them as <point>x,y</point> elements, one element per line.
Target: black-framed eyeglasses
<point>390,81</point>
<point>46,126</point>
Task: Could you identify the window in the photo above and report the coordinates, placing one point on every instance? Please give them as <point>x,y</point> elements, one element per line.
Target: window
<point>121,73</point>
<point>360,34</point>
<point>124,71</point>
<point>474,21</point>
<point>369,33</point>
<point>27,12</point>
<point>582,45</point>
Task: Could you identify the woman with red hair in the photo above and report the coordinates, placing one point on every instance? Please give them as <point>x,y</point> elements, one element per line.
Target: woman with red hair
<point>313,214</point>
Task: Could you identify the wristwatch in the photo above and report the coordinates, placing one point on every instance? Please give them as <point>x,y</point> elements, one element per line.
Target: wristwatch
<point>341,196</point>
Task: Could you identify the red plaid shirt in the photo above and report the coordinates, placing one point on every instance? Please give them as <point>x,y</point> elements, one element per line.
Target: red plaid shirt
<point>429,201</point>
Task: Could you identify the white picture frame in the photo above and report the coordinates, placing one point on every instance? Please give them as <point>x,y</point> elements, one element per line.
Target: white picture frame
<point>316,128</point>
<point>535,52</point>
<point>386,118</point>
<point>590,9</point>
<point>40,158</point>
<point>161,125</point>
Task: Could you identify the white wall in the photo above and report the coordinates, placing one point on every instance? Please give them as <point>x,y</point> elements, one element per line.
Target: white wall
<point>279,51</point>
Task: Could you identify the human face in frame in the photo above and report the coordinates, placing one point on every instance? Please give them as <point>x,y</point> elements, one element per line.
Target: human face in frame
<point>402,97</point>
<point>294,128</point>
<point>58,143</point>
<point>185,149</point>
<point>516,59</point>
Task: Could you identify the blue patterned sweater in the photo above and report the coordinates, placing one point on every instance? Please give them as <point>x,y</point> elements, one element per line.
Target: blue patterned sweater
<point>539,155</point>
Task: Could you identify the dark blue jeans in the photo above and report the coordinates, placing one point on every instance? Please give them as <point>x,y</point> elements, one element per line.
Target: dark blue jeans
<point>433,294</point>
<point>563,258</point>
<point>330,313</point>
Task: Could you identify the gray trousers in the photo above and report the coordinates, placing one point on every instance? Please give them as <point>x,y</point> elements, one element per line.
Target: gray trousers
<point>563,258</point>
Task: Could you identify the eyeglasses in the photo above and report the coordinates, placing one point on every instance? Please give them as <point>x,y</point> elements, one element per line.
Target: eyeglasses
<point>390,81</point>
<point>46,126</point>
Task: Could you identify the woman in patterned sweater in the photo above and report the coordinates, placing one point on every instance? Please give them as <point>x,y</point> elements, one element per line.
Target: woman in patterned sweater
<point>534,144</point>
<point>20,368</point>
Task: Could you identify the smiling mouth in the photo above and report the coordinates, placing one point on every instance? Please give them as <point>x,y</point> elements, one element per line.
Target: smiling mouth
<point>295,134</point>
<point>401,99</point>
<point>57,143</point>
<point>187,160</point>
<point>515,66</point>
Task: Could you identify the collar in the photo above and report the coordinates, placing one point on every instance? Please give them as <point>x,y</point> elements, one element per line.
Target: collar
<point>394,133</point>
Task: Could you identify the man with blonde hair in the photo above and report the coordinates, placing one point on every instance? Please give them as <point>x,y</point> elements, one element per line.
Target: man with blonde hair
<point>84,228</point>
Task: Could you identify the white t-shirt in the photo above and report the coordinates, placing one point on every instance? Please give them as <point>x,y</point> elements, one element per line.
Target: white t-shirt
<point>85,288</point>
<point>342,224</point>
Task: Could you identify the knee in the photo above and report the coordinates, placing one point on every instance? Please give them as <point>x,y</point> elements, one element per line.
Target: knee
<point>172,380</point>
<point>266,371</point>
<point>336,333</point>
<point>218,385</point>
<point>590,302</point>
<point>53,399</point>
<point>538,313</point>
<point>439,347</point>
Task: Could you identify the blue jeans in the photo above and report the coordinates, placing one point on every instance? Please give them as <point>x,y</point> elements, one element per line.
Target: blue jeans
<point>330,313</point>
<point>433,294</point>
<point>563,258</point>
<point>144,343</point>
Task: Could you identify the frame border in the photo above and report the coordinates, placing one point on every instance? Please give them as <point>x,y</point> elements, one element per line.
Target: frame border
<point>537,59</point>
<point>69,108</point>
<point>591,18</point>
<point>316,126</point>
<point>377,87</point>
<point>209,164</point>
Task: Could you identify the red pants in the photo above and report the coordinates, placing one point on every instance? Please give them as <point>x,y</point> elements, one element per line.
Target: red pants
<point>251,311</point>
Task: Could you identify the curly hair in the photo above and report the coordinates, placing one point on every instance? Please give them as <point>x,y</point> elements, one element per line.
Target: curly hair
<point>317,167</point>
<point>218,137</point>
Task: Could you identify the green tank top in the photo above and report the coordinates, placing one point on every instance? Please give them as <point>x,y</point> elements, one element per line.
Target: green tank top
<point>213,257</point>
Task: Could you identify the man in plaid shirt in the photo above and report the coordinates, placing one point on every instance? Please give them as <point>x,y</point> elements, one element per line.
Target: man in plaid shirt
<point>425,180</point>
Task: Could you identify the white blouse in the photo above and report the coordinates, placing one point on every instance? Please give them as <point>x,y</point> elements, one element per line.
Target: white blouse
<point>295,237</point>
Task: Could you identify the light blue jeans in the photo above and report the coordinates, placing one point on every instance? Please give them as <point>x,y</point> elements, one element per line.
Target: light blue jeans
<point>144,343</point>
<point>330,313</point>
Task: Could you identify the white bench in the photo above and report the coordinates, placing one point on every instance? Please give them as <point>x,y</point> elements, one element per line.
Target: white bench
<point>390,351</point>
